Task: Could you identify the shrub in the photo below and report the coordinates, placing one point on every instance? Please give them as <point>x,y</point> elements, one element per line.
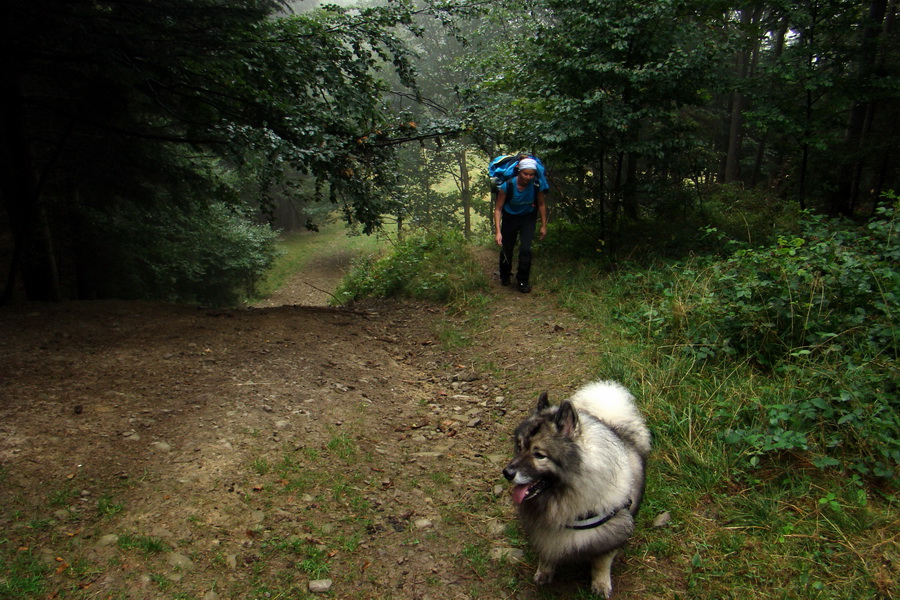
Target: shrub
<point>830,288</point>
<point>817,310</point>
<point>211,255</point>
<point>842,414</point>
<point>423,266</point>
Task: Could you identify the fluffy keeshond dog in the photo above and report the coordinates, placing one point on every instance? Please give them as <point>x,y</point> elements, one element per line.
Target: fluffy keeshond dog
<point>578,478</point>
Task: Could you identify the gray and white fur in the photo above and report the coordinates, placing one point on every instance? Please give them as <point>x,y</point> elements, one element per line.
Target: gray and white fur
<point>578,478</point>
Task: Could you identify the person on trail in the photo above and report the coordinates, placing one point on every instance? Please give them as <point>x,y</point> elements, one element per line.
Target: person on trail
<point>519,203</point>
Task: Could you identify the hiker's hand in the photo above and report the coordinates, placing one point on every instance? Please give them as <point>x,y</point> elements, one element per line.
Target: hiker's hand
<point>499,238</point>
<point>543,233</point>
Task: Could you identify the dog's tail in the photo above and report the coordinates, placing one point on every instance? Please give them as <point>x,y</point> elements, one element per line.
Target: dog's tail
<point>615,406</point>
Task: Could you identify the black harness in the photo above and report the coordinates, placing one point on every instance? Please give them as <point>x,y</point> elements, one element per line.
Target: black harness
<point>593,520</point>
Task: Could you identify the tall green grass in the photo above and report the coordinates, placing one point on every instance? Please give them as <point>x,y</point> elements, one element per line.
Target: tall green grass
<point>768,377</point>
<point>423,266</point>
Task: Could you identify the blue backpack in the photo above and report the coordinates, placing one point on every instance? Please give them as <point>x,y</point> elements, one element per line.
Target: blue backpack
<point>503,168</point>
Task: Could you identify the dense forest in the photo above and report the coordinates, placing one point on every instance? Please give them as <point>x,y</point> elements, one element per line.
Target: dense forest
<point>142,139</point>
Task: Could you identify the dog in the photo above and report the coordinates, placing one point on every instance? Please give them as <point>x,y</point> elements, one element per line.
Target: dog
<point>578,479</point>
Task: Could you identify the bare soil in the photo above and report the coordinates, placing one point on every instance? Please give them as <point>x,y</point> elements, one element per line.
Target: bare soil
<point>160,451</point>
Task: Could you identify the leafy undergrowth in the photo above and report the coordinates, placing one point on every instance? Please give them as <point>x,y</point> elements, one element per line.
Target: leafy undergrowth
<point>770,381</point>
<point>422,266</point>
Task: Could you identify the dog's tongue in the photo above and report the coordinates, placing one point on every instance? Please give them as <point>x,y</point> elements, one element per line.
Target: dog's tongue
<point>519,492</point>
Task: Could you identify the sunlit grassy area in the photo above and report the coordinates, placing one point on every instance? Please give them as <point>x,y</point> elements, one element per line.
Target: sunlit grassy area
<point>434,267</point>
<point>298,248</point>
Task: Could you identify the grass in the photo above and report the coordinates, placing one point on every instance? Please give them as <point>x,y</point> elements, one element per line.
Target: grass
<point>297,249</point>
<point>741,527</point>
<point>143,543</point>
<point>62,496</point>
<point>260,465</point>
<point>107,506</point>
<point>477,557</point>
<point>770,529</point>
<point>315,565</point>
<point>342,446</point>
<point>24,576</point>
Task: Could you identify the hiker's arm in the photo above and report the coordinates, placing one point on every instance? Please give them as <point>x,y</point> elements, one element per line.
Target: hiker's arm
<point>498,213</point>
<point>542,211</point>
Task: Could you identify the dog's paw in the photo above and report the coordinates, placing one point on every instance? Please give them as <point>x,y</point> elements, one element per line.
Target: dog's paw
<point>601,575</point>
<point>602,588</point>
<point>544,574</point>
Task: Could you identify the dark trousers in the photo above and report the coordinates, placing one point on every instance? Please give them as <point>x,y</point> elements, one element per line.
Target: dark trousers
<point>521,227</point>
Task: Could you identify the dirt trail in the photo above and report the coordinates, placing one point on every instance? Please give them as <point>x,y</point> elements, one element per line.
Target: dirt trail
<point>159,451</point>
<point>313,286</point>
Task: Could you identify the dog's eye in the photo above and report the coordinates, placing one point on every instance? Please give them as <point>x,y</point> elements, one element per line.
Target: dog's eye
<point>539,455</point>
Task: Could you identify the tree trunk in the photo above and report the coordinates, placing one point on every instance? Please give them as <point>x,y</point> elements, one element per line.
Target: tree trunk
<point>466,192</point>
<point>732,156</point>
<point>779,38</point>
<point>629,189</point>
<point>859,121</point>
<point>804,162</point>
<point>599,193</point>
<point>20,186</point>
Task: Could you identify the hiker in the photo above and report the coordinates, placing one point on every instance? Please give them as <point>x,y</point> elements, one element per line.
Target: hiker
<point>515,215</point>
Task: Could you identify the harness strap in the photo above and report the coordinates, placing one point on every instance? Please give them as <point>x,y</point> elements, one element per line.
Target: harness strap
<point>593,520</point>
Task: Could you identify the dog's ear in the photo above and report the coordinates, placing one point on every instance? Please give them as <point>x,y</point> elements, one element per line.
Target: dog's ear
<point>542,404</point>
<point>566,419</point>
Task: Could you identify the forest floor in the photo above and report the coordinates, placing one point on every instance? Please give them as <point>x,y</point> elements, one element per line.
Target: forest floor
<point>279,451</point>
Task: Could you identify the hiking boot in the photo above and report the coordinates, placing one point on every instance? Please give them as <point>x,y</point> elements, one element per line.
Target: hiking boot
<point>524,287</point>
<point>504,281</point>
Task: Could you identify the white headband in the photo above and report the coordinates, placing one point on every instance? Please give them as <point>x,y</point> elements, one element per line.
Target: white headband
<point>527,163</point>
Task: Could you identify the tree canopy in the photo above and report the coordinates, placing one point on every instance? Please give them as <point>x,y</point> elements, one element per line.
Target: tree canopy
<point>639,110</point>
<point>182,101</point>
<point>638,106</point>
